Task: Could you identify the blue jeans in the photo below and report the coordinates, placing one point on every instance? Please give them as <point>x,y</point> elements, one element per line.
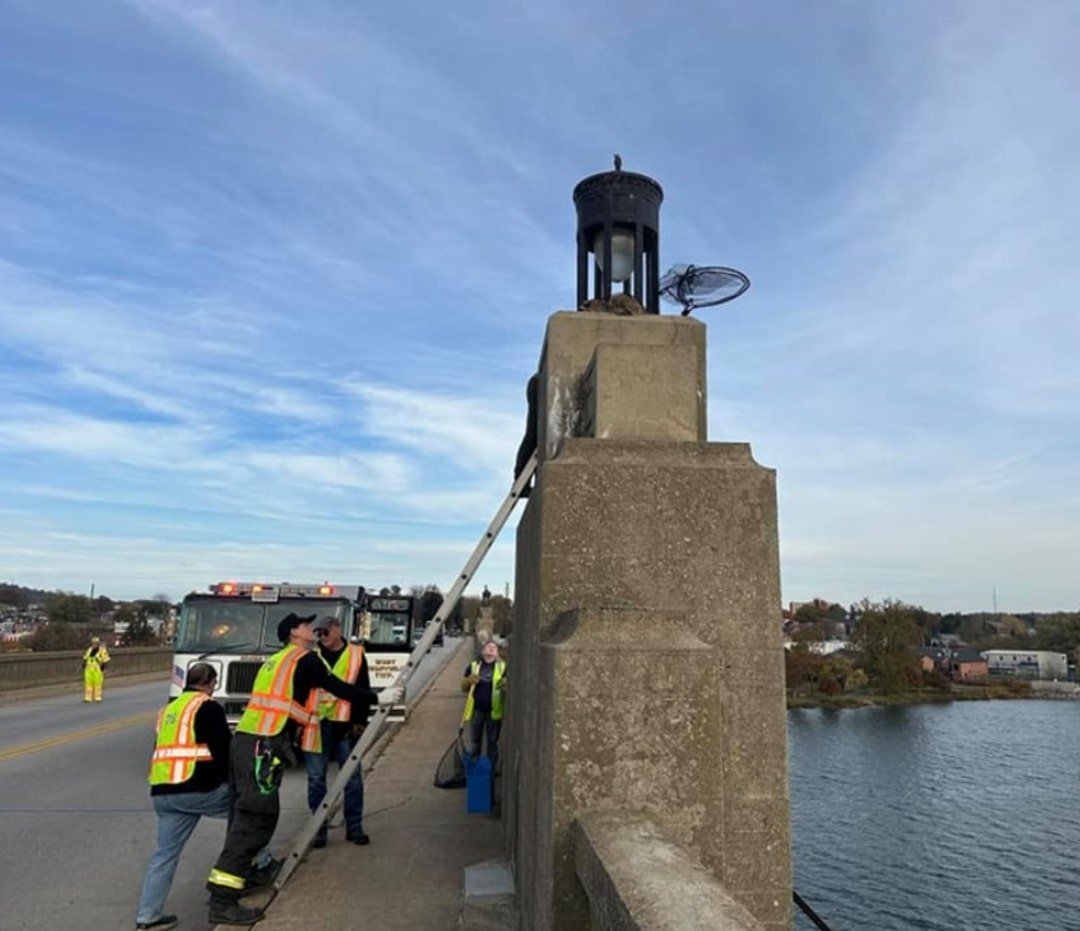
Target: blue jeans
<point>317,766</point>
<point>177,816</point>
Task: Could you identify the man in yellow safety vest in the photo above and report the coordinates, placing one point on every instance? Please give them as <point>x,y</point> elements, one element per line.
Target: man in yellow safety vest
<point>284,702</point>
<point>485,681</point>
<point>342,723</point>
<point>94,661</point>
<point>189,779</point>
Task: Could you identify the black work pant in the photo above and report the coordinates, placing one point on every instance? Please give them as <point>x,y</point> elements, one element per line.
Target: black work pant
<point>481,725</point>
<point>252,822</point>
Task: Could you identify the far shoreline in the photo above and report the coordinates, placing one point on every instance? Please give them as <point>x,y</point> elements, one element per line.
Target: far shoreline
<point>1011,692</point>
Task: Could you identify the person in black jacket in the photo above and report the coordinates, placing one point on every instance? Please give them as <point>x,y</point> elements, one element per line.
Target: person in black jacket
<point>185,784</point>
<point>283,706</point>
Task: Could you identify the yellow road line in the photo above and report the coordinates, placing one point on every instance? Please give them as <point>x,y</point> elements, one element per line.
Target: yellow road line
<point>72,736</point>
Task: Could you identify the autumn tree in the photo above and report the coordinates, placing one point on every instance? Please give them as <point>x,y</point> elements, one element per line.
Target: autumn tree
<point>801,666</point>
<point>139,633</point>
<point>1060,633</point>
<point>56,636</point>
<point>69,609</point>
<point>885,636</point>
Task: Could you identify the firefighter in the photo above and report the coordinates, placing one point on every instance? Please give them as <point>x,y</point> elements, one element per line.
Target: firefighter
<point>284,702</point>
<point>94,661</point>
<point>485,682</point>
<point>342,724</point>
<point>189,779</point>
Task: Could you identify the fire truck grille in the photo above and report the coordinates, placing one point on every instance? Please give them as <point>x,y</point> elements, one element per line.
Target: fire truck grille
<point>241,678</point>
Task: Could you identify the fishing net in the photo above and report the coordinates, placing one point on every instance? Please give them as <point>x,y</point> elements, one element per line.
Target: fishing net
<point>450,773</point>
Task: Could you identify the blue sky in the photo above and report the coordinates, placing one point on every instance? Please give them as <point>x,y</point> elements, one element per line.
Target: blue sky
<point>273,276</point>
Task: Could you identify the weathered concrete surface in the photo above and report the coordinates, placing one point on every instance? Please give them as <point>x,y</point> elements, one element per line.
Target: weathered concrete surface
<point>658,393</point>
<point>648,671</point>
<point>489,897</point>
<point>638,879</point>
<point>485,624</point>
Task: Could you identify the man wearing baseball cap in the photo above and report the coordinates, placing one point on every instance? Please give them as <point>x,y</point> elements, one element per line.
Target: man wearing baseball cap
<point>342,724</point>
<point>283,703</point>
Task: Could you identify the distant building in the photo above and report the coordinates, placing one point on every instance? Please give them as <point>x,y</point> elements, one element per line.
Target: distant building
<point>965,664</point>
<point>822,647</point>
<point>1027,664</point>
<point>933,659</point>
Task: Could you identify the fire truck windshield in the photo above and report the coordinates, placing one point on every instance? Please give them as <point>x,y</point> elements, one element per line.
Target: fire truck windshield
<point>234,625</point>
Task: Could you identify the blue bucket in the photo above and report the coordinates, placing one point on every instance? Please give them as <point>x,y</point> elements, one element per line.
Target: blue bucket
<point>479,794</point>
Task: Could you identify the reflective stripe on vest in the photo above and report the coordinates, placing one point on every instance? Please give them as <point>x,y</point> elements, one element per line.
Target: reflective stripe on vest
<point>347,668</point>
<point>271,703</point>
<point>176,752</point>
<point>496,692</point>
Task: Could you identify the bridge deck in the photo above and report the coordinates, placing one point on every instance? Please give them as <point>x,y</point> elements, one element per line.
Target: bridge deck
<point>411,875</point>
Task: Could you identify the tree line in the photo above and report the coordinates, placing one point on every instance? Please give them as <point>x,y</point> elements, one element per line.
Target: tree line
<point>885,636</point>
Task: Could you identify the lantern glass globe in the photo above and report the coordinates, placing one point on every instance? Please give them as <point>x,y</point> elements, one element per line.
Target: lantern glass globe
<point>622,253</point>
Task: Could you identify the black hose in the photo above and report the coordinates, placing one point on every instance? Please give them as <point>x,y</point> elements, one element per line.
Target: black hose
<point>809,912</point>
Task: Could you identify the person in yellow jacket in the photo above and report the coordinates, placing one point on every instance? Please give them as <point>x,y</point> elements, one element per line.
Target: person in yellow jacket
<point>485,681</point>
<point>341,726</point>
<point>94,662</point>
<point>283,703</point>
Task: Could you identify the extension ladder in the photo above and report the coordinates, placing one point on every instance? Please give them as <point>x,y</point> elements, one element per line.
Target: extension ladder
<point>378,720</point>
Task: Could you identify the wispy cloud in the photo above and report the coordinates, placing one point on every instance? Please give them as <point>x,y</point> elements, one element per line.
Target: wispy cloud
<point>270,304</point>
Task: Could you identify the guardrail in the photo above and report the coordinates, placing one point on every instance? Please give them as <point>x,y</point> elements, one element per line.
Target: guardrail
<point>29,670</point>
<point>637,878</point>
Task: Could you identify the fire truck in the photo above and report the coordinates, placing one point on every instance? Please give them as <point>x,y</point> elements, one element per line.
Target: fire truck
<point>233,627</point>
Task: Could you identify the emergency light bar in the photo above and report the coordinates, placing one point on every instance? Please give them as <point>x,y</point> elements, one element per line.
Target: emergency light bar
<point>260,591</point>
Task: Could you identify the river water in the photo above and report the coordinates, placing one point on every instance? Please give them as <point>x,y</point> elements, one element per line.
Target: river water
<point>939,817</point>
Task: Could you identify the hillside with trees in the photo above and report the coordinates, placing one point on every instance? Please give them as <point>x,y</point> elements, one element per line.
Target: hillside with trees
<point>881,661</point>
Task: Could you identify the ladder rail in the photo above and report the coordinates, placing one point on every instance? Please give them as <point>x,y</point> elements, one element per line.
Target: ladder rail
<point>304,837</point>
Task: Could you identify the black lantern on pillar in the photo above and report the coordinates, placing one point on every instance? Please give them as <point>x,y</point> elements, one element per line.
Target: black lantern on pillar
<point>619,226</point>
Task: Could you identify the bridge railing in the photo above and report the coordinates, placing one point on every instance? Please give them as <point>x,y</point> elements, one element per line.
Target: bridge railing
<point>638,878</point>
<point>28,670</point>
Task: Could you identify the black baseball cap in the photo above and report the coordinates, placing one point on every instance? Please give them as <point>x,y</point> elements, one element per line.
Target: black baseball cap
<point>289,623</point>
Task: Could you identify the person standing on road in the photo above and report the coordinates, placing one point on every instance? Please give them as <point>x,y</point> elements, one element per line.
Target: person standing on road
<point>189,780</point>
<point>342,723</point>
<point>284,702</point>
<point>94,661</point>
<point>485,681</point>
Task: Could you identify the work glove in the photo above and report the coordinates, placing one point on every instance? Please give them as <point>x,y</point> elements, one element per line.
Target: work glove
<point>393,695</point>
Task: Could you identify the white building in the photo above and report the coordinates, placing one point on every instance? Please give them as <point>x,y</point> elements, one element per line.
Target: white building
<point>823,647</point>
<point>1027,664</point>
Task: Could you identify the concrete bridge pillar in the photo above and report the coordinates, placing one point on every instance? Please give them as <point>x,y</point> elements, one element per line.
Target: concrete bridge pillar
<point>648,670</point>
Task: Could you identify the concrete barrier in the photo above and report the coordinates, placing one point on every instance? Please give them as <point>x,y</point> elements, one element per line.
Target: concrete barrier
<point>637,878</point>
<point>29,670</point>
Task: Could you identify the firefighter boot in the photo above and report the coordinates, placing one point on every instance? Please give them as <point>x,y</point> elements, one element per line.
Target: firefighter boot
<point>225,911</point>
<point>263,876</point>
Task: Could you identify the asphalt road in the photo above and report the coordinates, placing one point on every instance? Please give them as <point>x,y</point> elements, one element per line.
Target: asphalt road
<point>76,826</point>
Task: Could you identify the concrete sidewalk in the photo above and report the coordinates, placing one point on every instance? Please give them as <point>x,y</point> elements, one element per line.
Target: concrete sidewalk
<point>410,878</point>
